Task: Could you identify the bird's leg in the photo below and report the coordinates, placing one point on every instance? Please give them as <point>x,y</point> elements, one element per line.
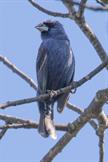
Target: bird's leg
<point>47,109</point>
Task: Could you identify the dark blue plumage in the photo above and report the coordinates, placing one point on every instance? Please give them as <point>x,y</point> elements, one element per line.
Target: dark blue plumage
<point>55,68</point>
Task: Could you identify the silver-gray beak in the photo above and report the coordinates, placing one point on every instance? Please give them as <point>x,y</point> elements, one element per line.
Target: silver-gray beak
<point>42,27</point>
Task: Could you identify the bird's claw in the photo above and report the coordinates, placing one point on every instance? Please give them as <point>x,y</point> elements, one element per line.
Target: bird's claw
<point>73,91</point>
<point>51,93</point>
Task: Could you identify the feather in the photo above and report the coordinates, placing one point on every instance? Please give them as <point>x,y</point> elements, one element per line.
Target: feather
<point>55,68</point>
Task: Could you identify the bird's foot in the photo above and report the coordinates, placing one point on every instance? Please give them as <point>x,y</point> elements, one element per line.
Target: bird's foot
<point>73,91</point>
<point>52,93</point>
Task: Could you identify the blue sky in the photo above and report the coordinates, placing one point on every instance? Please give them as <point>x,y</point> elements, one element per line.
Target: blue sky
<point>19,42</point>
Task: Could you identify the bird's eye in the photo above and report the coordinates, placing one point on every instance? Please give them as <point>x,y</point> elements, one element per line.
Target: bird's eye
<point>49,24</point>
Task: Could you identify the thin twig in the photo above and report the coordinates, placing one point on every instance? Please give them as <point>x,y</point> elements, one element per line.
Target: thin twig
<point>22,101</point>
<point>101,145</point>
<point>100,133</point>
<point>103,124</point>
<point>22,123</point>
<point>90,7</point>
<point>102,2</point>
<point>70,5</point>
<point>11,66</point>
<point>81,8</point>
<point>31,126</point>
<point>56,14</point>
<point>2,132</point>
<point>74,108</point>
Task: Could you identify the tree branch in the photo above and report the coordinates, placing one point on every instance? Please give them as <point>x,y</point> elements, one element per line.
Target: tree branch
<point>93,39</point>
<point>56,14</point>
<point>93,110</point>
<point>31,126</point>
<point>103,124</point>
<point>74,108</point>
<point>87,31</point>
<point>101,144</point>
<point>94,8</point>
<point>80,111</point>
<point>11,66</point>
<point>102,2</point>
<point>57,92</point>
<point>81,8</point>
<point>22,123</point>
<point>2,132</point>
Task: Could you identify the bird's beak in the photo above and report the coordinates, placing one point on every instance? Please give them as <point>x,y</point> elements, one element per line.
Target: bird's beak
<point>41,27</point>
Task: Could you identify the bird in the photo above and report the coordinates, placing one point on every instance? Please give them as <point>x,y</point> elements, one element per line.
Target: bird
<point>55,68</point>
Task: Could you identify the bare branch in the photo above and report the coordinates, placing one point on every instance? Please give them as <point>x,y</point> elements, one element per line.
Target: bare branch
<point>88,32</point>
<point>11,66</point>
<point>74,108</point>
<point>70,6</point>
<point>97,8</point>
<point>101,147</point>
<point>103,120</point>
<point>103,124</point>
<point>57,92</point>
<point>2,132</point>
<point>80,111</point>
<point>94,8</point>
<point>22,101</point>
<point>31,126</point>
<point>56,14</point>
<point>102,2</point>
<point>93,110</point>
<point>22,123</point>
<point>81,8</point>
<point>93,39</point>
<point>11,119</point>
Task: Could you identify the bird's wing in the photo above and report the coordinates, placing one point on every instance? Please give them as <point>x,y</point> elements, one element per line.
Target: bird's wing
<point>41,68</point>
<point>69,73</point>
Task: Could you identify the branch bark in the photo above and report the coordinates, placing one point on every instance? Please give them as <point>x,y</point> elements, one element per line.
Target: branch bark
<point>22,123</point>
<point>93,110</point>
<point>80,111</point>
<point>81,8</point>
<point>56,14</point>
<point>57,92</point>
<point>11,66</point>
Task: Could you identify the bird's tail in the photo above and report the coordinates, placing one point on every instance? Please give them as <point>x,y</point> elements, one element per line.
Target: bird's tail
<point>46,126</point>
<point>61,102</point>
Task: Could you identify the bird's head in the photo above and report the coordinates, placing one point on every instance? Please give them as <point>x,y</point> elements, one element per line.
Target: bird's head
<point>53,29</point>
